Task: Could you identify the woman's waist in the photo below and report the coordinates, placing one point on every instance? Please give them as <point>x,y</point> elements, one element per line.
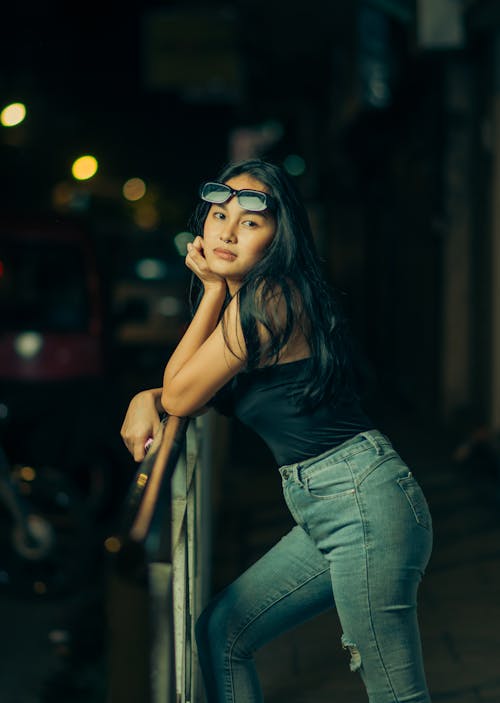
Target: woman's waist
<point>370,439</point>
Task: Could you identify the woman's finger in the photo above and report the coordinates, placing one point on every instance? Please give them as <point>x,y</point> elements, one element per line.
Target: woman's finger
<point>139,452</point>
<point>196,261</point>
<point>198,243</point>
<point>192,264</point>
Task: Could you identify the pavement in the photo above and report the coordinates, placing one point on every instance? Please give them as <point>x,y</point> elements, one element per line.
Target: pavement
<point>459,598</point>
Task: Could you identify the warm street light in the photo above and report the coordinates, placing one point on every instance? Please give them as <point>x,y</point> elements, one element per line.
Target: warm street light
<point>84,167</point>
<point>13,114</point>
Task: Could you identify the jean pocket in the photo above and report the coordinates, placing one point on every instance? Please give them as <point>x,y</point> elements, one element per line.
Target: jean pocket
<point>415,497</point>
<point>329,483</point>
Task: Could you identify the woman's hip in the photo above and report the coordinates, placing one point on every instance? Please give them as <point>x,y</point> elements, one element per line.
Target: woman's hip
<point>361,496</point>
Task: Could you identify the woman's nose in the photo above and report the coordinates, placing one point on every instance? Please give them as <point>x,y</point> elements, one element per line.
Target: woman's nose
<point>228,234</point>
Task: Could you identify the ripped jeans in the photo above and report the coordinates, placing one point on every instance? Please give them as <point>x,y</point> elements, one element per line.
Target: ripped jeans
<point>362,541</point>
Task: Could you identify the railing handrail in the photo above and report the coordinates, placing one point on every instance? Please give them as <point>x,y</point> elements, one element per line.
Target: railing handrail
<point>154,471</point>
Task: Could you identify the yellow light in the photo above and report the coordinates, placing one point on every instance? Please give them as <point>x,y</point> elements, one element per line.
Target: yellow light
<point>28,473</point>
<point>134,189</point>
<point>146,216</point>
<point>12,114</point>
<point>84,167</point>
<point>112,545</point>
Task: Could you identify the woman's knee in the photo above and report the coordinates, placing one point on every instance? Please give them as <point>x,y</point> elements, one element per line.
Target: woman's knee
<point>202,628</point>
<point>211,628</point>
<point>221,630</point>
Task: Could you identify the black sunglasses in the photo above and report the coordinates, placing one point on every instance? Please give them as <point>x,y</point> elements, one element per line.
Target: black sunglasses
<point>252,200</point>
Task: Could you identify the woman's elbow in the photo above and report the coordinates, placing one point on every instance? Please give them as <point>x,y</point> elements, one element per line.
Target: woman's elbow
<point>171,404</point>
<point>178,405</point>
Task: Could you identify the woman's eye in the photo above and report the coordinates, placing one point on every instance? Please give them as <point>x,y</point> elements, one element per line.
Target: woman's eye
<point>250,223</point>
<point>219,215</point>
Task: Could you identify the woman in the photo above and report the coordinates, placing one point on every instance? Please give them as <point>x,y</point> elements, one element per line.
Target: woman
<point>267,343</point>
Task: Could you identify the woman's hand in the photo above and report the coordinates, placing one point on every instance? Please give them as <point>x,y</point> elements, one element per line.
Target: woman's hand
<point>196,261</point>
<point>141,422</point>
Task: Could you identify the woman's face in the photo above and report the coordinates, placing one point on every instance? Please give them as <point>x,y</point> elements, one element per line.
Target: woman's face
<point>236,239</point>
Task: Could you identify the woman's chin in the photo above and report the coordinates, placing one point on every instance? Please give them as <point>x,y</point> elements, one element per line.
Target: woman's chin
<point>226,269</point>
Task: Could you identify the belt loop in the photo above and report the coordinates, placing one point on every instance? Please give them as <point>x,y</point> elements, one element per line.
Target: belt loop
<point>373,442</point>
<point>298,478</point>
<point>293,472</point>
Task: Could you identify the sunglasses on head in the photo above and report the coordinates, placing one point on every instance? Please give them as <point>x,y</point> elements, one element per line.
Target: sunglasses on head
<point>252,200</point>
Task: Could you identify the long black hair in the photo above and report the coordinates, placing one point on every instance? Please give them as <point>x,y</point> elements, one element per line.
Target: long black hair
<point>290,265</point>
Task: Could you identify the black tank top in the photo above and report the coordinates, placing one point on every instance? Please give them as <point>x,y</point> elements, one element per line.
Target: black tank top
<point>263,399</point>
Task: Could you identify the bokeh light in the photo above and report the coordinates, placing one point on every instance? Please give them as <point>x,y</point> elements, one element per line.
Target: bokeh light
<point>13,114</point>
<point>134,189</point>
<point>84,167</point>
<point>28,344</point>
<point>63,194</point>
<point>294,165</point>
<point>146,216</point>
<point>168,306</point>
<point>181,241</point>
<point>151,269</point>
<point>112,544</point>
<point>27,473</point>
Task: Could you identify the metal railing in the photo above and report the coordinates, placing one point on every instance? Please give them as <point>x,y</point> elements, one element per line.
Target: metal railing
<point>166,531</point>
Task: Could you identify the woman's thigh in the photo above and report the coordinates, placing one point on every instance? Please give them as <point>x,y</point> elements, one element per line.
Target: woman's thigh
<point>288,585</point>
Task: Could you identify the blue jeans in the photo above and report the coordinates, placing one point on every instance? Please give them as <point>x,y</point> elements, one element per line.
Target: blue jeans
<point>362,541</point>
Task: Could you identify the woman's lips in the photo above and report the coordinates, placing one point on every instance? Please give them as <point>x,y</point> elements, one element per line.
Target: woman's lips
<point>225,254</point>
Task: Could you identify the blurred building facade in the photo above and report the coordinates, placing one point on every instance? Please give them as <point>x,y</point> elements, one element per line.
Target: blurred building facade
<point>396,116</point>
<point>386,112</point>
<point>391,104</point>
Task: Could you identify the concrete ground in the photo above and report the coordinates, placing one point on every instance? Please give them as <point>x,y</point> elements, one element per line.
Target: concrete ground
<point>459,596</point>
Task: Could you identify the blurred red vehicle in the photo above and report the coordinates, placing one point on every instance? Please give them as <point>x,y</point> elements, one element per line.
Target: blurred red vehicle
<point>54,391</point>
<point>57,434</point>
<point>51,312</point>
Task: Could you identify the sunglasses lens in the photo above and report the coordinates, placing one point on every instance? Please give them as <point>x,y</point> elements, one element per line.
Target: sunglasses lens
<point>215,192</point>
<point>252,200</point>
<point>218,193</point>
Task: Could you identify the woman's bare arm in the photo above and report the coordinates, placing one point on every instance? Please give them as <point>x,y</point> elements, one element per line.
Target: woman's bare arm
<point>209,367</point>
<point>201,327</point>
<point>202,361</point>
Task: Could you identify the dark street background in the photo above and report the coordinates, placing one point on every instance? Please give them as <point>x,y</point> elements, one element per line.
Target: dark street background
<point>387,114</point>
